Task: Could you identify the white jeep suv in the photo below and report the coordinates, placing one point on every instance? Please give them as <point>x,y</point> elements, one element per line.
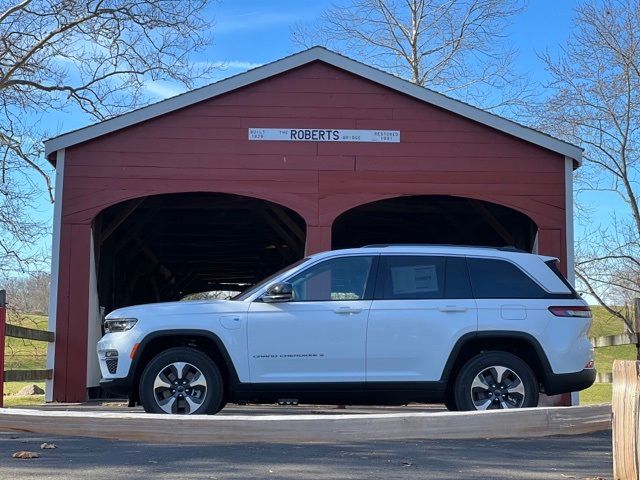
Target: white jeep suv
<point>473,327</point>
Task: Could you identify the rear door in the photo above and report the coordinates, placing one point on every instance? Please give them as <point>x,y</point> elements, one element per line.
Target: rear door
<point>422,305</point>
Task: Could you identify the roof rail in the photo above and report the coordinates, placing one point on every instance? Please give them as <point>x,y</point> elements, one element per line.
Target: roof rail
<point>506,248</point>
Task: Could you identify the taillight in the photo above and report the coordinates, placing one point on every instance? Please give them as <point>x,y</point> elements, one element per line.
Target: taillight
<point>573,311</point>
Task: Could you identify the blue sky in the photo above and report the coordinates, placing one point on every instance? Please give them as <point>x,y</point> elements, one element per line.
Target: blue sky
<point>250,32</point>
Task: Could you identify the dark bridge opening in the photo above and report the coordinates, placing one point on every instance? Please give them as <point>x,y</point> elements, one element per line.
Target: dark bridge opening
<point>434,219</point>
<point>164,247</point>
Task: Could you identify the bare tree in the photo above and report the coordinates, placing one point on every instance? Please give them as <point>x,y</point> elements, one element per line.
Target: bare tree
<point>29,294</point>
<point>453,46</point>
<point>595,103</point>
<point>92,56</point>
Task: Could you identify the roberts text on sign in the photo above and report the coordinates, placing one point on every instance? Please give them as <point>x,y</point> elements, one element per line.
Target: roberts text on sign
<point>323,135</point>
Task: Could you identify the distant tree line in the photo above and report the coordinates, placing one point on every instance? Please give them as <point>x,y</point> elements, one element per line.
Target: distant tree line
<point>28,294</point>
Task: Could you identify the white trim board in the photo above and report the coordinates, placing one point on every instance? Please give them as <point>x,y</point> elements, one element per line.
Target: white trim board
<point>93,320</point>
<point>55,267</point>
<point>569,237</point>
<point>295,61</point>
<point>568,205</point>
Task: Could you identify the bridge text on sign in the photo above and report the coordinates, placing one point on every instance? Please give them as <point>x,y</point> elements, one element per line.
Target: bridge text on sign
<point>324,135</point>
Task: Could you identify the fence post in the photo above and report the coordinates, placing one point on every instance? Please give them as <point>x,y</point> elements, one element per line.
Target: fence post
<point>625,407</point>
<point>636,306</point>
<point>3,330</point>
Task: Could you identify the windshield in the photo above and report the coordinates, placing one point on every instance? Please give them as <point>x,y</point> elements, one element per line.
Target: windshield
<point>247,293</point>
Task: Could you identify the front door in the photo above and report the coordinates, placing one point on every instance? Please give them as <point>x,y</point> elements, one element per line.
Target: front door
<point>319,336</point>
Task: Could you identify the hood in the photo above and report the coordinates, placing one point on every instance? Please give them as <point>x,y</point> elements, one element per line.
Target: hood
<point>177,308</point>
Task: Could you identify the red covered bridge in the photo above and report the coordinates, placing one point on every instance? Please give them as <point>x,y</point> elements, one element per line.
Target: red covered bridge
<point>221,186</point>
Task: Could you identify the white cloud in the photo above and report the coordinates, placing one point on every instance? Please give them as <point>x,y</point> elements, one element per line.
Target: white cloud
<point>254,21</point>
<point>236,64</point>
<point>163,89</point>
<point>159,89</point>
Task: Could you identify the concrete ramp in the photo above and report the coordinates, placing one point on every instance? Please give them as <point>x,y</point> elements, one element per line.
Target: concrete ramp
<point>523,423</point>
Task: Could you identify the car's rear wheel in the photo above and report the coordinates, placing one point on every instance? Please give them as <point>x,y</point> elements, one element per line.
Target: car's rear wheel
<point>450,403</point>
<point>495,380</point>
<point>181,381</point>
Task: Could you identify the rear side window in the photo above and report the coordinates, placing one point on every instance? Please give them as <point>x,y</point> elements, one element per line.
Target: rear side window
<point>456,283</point>
<point>412,277</point>
<point>406,277</point>
<point>553,265</point>
<point>501,279</point>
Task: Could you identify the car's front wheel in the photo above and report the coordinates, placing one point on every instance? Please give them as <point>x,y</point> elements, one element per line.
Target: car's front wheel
<point>181,381</point>
<point>495,380</point>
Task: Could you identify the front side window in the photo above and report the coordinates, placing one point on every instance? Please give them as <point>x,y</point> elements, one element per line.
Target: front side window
<point>501,279</point>
<point>343,278</point>
<point>263,283</point>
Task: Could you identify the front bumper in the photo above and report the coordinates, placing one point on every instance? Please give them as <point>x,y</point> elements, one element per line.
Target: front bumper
<point>556,383</point>
<point>121,387</point>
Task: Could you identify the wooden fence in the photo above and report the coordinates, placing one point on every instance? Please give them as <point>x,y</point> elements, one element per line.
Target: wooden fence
<point>610,341</point>
<point>8,330</point>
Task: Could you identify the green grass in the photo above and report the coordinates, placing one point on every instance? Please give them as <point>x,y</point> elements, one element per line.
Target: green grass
<point>606,355</point>
<point>22,354</point>
<point>11,388</point>
<point>596,393</point>
<point>13,400</point>
<point>605,324</point>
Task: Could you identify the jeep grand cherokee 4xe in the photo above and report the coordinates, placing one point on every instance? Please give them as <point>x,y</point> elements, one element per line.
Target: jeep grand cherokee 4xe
<point>475,328</point>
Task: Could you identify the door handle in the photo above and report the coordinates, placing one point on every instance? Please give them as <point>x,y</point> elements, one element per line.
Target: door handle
<point>453,308</point>
<point>347,310</point>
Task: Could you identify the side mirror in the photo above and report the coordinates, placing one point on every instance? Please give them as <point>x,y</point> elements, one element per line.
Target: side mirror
<point>278,292</point>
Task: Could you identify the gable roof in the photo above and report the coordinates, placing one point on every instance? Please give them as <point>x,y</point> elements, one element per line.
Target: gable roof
<point>297,60</point>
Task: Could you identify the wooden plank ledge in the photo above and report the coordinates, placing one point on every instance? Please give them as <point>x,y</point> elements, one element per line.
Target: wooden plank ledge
<point>27,375</point>
<point>29,333</point>
<point>531,422</point>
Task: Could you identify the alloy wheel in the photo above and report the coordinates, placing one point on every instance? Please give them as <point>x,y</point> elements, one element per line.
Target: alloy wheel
<point>180,388</point>
<point>497,387</point>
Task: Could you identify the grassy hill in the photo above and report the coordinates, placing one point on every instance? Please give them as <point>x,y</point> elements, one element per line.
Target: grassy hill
<point>605,324</point>
<point>22,354</point>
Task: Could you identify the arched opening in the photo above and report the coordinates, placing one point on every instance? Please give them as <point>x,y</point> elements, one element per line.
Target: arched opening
<point>165,247</point>
<point>434,219</point>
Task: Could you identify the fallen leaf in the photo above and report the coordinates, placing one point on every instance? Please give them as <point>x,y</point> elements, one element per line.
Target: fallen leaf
<point>24,454</point>
<point>46,445</point>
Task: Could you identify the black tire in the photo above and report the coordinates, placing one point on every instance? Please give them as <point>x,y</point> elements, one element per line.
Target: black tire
<point>199,399</point>
<point>450,403</point>
<point>497,395</point>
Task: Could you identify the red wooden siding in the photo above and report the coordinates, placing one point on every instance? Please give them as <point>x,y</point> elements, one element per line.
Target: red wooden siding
<point>205,148</point>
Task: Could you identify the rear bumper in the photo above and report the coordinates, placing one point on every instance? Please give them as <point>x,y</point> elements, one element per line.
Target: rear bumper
<point>557,383</point>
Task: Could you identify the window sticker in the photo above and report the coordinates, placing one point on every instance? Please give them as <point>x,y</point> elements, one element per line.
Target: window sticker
<point>414,279</point>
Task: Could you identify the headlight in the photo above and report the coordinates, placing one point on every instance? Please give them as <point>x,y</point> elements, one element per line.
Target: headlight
<point>119,324</point>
